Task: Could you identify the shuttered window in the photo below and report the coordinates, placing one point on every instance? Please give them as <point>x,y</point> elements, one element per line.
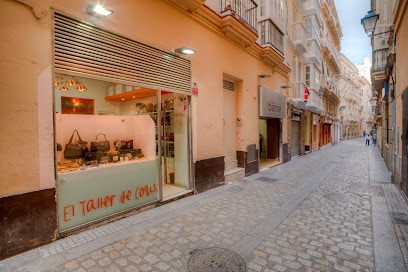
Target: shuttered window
<point>84,50</point>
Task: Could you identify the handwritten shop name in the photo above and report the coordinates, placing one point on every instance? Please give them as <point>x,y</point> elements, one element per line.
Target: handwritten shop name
<point>87,206</point>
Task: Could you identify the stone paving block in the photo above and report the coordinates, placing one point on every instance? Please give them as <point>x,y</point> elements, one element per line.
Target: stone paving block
<point>305,220</point>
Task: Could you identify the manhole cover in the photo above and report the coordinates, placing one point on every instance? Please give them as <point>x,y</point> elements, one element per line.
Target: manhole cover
<point>215,259</point>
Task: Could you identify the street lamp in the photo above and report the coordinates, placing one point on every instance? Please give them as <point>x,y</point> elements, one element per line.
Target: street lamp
<point>369,22</point>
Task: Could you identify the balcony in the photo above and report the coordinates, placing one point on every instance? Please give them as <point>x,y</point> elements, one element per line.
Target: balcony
<point>329,84</point>
<point>297,99</point>
<point>378,69</point>
<point>313,54</point>
<point>328,11</point>
<point>299,38</point>
<point>331,53</point>
<point>311,7</point>
<point>244,10</point>
<point>314,102</point>
<point>271,35</point>
<point>238,21</point>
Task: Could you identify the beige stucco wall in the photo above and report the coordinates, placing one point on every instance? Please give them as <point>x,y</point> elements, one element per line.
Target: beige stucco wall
<point>26,72</point>
<point>24,68</point>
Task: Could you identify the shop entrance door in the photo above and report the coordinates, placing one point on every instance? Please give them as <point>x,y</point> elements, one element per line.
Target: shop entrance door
<point>230,158</point>
<point>175,147</point>
<point>273,139</point>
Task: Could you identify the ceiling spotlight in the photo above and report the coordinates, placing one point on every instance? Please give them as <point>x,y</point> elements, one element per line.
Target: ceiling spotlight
<point>264,75</point>
<point>184,51</point>
<point>286,87</point>
<point>98,10</point>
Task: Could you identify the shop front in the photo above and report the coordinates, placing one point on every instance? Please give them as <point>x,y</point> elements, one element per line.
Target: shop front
<point>325,131</point>
<point>295,136</point>
<point>272,108</point>
<point>122,131</point>
<point>315,132</point>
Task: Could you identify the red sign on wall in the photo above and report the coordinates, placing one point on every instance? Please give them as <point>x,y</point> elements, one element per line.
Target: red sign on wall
<point>194,89</point>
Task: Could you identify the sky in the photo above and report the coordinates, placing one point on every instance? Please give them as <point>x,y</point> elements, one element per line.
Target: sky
<point>355,44</point>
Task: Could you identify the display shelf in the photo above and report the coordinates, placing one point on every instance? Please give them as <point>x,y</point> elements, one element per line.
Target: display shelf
<point>132,95</point>
<point>101,165</point>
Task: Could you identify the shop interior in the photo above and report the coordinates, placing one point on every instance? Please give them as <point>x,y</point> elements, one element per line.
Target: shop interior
<point>122,124</point>
<point>268,143</point>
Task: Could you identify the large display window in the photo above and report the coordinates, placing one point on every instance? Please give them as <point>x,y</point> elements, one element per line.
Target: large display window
<point>119,146</point>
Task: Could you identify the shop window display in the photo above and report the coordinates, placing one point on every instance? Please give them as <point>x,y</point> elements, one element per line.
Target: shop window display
<point>106,148</point>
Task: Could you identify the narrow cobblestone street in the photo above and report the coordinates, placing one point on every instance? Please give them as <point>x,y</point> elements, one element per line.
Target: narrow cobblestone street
<point>331,210</point>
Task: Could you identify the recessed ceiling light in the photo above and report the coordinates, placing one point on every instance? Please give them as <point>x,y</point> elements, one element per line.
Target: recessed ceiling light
<point>184,51</point>
<point>98,10</point>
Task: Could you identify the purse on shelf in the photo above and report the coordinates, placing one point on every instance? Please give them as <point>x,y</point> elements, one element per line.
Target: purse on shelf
<point>102,146</point>
<point>75,149</point>
<point>125,146</point>
<point>121,145</point>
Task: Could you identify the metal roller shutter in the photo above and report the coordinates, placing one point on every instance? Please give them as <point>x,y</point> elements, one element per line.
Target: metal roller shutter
<point>84,50</point>
<point>295,139</point>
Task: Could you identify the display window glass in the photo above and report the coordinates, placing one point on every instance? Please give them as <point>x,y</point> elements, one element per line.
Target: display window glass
<point>118,146</point>
<point>107,148</point>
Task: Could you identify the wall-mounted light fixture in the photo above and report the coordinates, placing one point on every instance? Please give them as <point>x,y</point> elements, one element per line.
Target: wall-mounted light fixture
<point>98,10</point>
<point>264,76</point>
<point>369,22</point>
<point>184,51</point>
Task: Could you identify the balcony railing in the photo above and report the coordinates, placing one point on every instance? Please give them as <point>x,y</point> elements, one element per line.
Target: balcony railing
<point>332,51</point>
<point>315,101</point>
<point>330,84</point>
<point>313,53</point>
<point>298,32</point>
<point>379,60</point>
<point>298,91</point>
<point>312,33</point>
<point>298,37</point>
<point>244,10</point>
<point>271,35</point>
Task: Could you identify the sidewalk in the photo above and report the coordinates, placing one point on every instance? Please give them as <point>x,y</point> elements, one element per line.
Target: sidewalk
<point>331,210</point>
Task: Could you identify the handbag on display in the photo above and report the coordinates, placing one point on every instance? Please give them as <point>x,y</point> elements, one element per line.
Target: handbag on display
<point>126,145</point>
<point>102,146</point>
<point>77,149</point>
<point>123,145</point>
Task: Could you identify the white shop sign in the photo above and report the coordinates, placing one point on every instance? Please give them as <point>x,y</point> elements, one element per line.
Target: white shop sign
<point>271,104</point>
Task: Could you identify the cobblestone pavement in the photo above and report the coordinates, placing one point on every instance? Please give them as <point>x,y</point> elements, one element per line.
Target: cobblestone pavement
<point>331,210</point>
